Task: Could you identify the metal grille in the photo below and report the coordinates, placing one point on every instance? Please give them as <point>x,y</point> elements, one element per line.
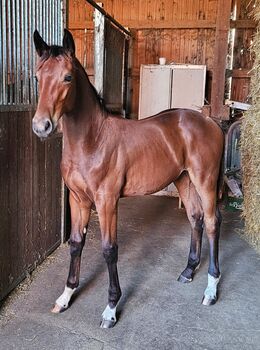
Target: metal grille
<point>111,61</point>
<point>114,67</point>
<point>18,20</point>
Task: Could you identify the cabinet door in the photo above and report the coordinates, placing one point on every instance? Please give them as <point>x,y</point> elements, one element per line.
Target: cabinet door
<point>155,87</point>
<point>188,87</point>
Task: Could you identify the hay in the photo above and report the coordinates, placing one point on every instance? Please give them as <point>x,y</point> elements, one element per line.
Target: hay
<point>250,147</point>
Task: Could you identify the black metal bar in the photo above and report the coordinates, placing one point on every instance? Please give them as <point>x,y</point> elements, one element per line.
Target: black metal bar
<point>117,24</point>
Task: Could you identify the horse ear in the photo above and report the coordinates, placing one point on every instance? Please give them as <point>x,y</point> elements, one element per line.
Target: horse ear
<point>68,42</point>
<point>40,44</point>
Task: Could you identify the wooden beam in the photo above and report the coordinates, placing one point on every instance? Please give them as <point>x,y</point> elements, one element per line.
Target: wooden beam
<point>243,24</point>
<point>99,7</point>
<point>241,73</point>
<point>173,24</point>
<point>220,55</point>
<point>207,112</point>
<point>148,24</point>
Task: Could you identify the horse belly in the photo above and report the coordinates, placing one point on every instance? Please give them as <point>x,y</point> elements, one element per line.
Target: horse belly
<point>150,176</point>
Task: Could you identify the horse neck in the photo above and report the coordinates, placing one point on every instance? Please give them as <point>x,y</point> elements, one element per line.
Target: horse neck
<point>82,124</point>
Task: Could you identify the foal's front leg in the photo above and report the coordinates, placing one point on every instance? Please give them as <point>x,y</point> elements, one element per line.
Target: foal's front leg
<point>79,219</point>
<point>107,212</point>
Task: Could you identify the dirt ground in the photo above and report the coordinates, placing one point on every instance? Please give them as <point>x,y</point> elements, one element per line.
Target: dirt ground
<point>155,311</point>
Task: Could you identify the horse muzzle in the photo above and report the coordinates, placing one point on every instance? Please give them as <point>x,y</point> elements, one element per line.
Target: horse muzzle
<point>43,127</point>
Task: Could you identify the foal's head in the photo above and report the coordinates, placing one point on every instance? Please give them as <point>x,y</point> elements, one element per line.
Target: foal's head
<point>56,77</point>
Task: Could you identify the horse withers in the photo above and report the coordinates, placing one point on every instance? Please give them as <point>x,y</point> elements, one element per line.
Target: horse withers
<point>106,157</point>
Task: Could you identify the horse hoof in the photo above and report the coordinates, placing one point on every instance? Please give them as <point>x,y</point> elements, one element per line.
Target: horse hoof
<point>107,323</point>
<point>57,309</point>
<point>208,301</point>
<point>184,279</point>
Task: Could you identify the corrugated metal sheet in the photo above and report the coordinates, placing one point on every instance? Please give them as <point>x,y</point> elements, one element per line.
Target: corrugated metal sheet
<point>18,20</point>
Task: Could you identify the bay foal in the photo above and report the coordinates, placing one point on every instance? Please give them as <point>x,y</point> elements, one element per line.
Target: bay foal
<point>107,157</point>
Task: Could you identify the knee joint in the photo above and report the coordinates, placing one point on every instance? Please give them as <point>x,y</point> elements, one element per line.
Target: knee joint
<point>198,220</point>
<point>110,253</point>
<point>75,248</point>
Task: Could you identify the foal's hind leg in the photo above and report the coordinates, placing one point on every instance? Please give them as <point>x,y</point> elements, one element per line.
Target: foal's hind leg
<point>207,189</point>
<point>192,203</point>
<point>79,220</point>
<point>212,223</point>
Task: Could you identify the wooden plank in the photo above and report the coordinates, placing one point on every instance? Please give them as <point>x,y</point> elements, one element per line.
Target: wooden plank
<point>80,12</point>
<point>207,112</point>
<point>242,57</point>
<point>37,218</point>
<point>212,9</point>
<point>84,46</point>
<point>15,249</point>
<point>151,24</point>
<point>5,264</point>
<point>30,222</point>
<point>243,23</point>
<point>134,10</point>
<point>240,89</point>
<point>241,73</point>
<point>209,50</point>
<point>25,252</point>
<point>220,53</point>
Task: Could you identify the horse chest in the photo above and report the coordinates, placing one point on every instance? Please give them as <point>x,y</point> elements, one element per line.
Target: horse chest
<point>76,181</point>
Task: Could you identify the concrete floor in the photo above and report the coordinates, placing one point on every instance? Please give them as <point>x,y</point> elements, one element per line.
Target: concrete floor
<point>156,311</point>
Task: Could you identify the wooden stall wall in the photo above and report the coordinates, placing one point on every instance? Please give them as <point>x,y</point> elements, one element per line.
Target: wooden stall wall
<point>183,31</point>
<point>30,188</point>
<point>180,30</point>
<point>242,58</point>
<point>80,23</point>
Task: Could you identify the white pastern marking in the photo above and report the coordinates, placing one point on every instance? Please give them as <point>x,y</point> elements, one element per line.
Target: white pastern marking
<point>211,290</point>
<point>109,314</point>
<point>64,299</point>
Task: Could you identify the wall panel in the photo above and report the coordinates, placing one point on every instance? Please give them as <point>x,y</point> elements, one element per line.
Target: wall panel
<point>30,205</point>
<point>183,31</point>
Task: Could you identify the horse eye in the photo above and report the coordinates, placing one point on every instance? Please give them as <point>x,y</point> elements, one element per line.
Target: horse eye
<point>68,78</point>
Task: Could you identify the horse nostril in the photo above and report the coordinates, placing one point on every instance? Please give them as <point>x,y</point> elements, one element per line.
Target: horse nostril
<point>43,127</point>
<point>47,125</point>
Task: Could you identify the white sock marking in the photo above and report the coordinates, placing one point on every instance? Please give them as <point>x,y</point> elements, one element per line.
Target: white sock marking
<point>211,290</point>
<point>109,314</point>
<point>64,299</point>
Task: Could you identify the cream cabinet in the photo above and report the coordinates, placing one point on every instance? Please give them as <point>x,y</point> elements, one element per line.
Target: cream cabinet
<point>171,86</point>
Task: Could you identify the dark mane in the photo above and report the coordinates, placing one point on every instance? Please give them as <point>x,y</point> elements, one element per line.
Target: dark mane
<point>102,102</point>
<point>97,94</point>
<point>56,50</point>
